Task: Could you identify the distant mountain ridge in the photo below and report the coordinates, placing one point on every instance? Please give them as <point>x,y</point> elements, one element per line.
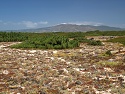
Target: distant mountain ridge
<point>73,28</point>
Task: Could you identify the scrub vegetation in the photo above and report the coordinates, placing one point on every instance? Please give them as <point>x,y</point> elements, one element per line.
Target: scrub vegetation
<point>57,40</point>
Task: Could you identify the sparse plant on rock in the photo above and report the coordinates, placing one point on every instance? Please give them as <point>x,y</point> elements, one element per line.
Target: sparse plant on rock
<point>108,53</point>
<point>110,64</point>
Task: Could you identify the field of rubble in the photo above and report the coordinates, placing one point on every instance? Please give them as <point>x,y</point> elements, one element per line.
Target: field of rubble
<point>87,69</point>
<point>68,71</point>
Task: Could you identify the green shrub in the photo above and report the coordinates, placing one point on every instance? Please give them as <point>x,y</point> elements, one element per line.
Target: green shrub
<point>108,53</point>
<point>53,42</point>
<point>12,36</point>
<point>119,39</point>
<point>95,43</point>
<point>81,39</point>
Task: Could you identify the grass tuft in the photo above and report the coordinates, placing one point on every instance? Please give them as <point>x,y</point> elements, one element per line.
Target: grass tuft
<point>110,64</point>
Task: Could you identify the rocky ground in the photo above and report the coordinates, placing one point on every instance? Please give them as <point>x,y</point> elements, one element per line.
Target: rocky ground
<point>69,71</point>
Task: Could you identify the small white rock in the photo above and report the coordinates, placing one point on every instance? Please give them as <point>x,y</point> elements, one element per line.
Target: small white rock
<point>54,52</point>
<point>6,72</point>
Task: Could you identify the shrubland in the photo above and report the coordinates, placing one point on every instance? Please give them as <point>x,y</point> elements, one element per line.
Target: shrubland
<point>119,39</point>
<point>48,42</point>
<point>57,40</point>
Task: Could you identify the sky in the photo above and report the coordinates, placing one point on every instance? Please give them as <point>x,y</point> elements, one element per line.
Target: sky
<point>27,14</point>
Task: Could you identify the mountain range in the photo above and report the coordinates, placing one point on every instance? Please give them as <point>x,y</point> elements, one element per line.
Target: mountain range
<point>73,28</point>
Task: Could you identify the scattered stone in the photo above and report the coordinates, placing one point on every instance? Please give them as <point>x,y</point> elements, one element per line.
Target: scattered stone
<point>71,71</point>
<point>78,82</point>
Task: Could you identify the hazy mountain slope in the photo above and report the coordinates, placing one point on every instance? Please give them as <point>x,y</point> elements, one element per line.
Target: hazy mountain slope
<point>73,28</point>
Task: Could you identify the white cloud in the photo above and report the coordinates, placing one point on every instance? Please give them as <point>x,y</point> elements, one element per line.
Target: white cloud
<point>23,24</point>
<point>30,24</point>
<point>5,23</point>
<point>122,26</point>
<point>43,22</point>
<point>85,23</point>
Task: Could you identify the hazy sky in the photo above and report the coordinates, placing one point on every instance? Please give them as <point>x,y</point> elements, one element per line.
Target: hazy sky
<point>22,14</point>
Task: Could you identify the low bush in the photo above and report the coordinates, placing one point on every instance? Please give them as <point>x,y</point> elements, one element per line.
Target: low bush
<point>108,53</point>
<point>47,42</point>
<point>95,43</point>
<point>119,39</point>
<point>12,36</point>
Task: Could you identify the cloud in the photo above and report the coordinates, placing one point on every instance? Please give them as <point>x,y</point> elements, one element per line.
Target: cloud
<point>85,23</point>
<point>122,26</point>
<point>30,24</point>
<point>43,22</point>
<point>22,24</point>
